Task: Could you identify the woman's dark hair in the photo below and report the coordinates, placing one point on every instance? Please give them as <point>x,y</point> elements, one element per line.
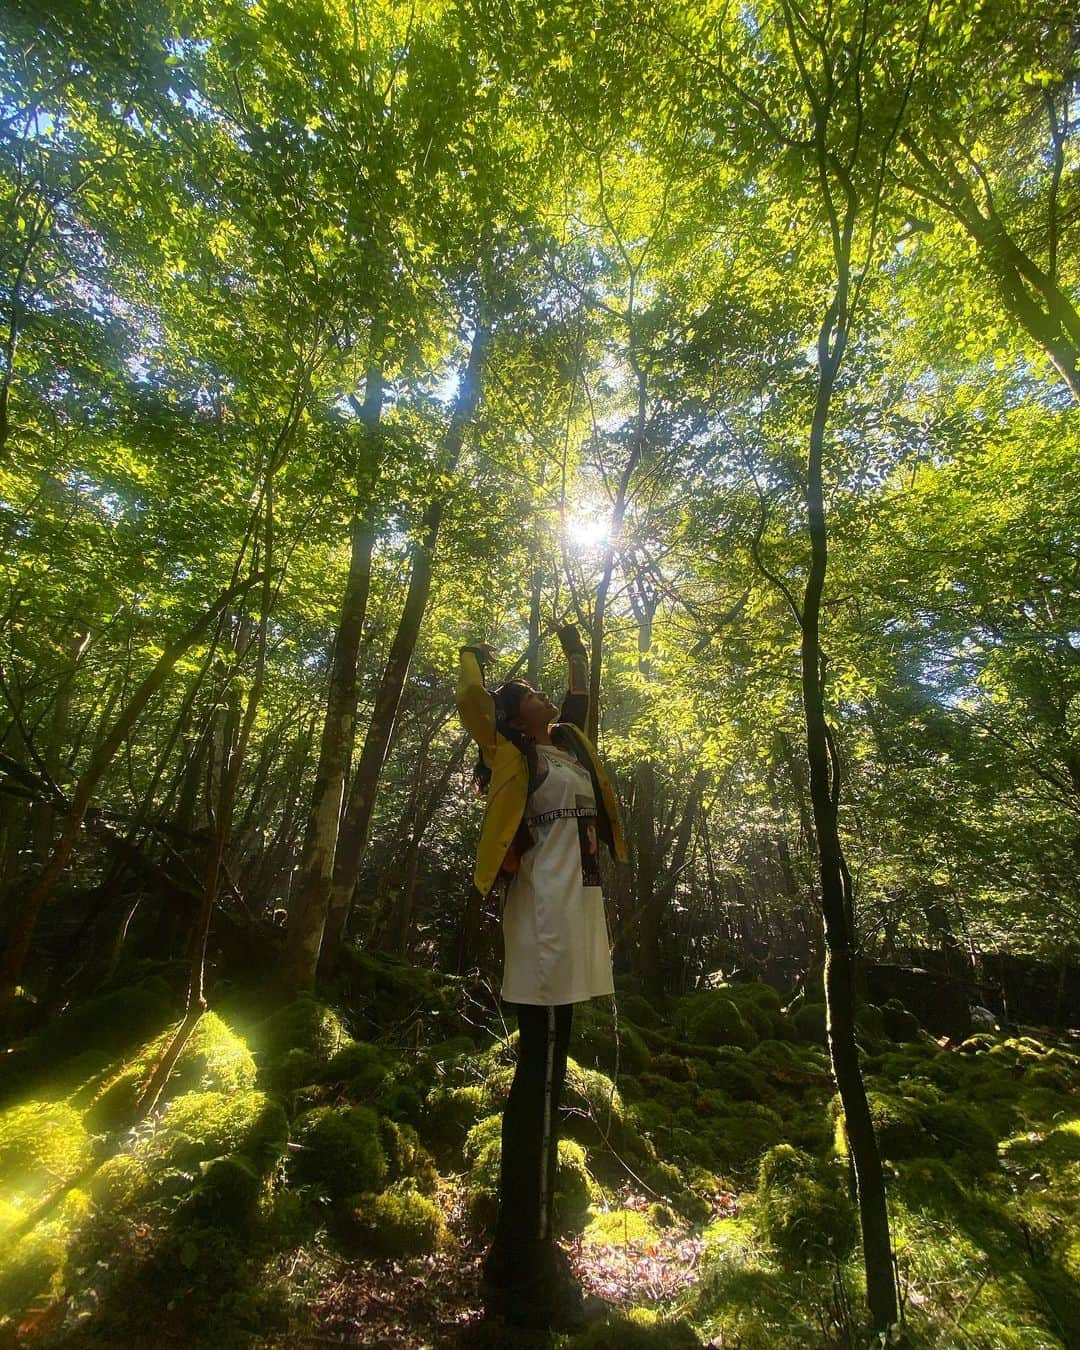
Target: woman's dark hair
<point>507,698</point>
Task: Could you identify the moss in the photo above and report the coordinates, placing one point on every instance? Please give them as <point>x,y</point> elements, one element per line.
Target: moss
<point>119,1182</point>
<point>574,1187</point>
<point>227,1193</point>
<point>800,1210</point>
<point>738,1137</point>
<point>214,1059</point>
<point>638,1329</point>
<point>616,1227</point>
<point>202,1125</point>
<point>109,1023</point>
<point>595,1043</point>
<point>809,1023</point>
<point>638,1009</point>
<point>671,1066</point>
<point>900,1025</point>
<point>674,1095</point>
<point>661,1216</point>
<point>481,1135</point>
<point>397,1223</point>
<point>714,1018</point>
<point>449,1114</point>
<point>359,1066</point>
<point>741,1077</point>
<point>33,1269</point>
<point>664,1178</point>
<point>961,1131</point>
<point>406,1157</point>
<point>340,1151</point>
<point>305,1024</point>
<point>292,1071</point>
<point>42,1145</point>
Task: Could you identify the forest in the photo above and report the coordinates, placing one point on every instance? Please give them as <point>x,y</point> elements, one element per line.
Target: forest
<point>338,335</point>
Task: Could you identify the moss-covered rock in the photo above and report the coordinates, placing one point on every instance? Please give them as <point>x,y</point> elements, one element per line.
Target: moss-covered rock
<point>449,1114</point>
<point>407,1159</point>
<point>900,1024</point>
<point>574,1187</point>
<point>809,1023</point>
<point>639,1329</point>
<point>598,1044</point>
<point>294,1070</point>
<point>201,1125</point>
<point>358,1066</point>
<point>42,1146</point>
<point>712,1017</point>
<point>118,1182</point>
<point>227,1193</point>
<point>340,1151</point>
<point>109,1024</point>
<point>399,1222</point>
<point>617,1227</point>
<point>305,1024</point>
<point>800,1209</point>
<point>639,1010</point>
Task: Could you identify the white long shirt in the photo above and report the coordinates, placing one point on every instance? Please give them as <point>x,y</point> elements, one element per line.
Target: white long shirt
<point>555,932</point>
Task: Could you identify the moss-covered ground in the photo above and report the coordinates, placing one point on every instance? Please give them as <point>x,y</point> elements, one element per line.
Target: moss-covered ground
<point>326,1172</point>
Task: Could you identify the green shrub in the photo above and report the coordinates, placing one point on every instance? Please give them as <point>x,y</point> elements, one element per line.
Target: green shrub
<point>340,1151</point>
<point>396,1223</point>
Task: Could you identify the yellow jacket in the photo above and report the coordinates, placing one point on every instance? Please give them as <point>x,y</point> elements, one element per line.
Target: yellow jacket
<point>508,790</point>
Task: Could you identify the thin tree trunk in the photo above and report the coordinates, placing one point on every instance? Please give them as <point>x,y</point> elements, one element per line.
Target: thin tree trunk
<point>824,796</point>
<point>234,742</point>
<point>352,837</point>
<point>41,893</point>
<point>312,885</point>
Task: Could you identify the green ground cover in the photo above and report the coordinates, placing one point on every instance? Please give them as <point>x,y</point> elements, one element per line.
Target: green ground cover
<point>315,1147</point>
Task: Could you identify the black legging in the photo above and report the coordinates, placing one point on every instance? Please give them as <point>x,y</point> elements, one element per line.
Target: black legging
<point>530,1143</point>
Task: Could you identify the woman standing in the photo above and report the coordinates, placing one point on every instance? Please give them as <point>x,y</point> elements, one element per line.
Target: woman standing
<point>549,804</point>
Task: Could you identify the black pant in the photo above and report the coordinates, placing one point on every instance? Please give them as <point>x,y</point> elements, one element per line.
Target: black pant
<point>530,1145</point>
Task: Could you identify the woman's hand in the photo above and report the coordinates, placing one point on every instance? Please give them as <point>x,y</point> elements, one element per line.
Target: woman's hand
<point>485,652</point>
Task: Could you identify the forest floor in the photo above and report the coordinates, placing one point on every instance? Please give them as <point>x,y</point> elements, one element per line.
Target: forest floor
<point>324,1173</point>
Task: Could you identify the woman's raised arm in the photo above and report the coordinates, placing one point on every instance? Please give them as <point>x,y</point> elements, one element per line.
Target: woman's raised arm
<point>575,706</point>
<point>475,705</point>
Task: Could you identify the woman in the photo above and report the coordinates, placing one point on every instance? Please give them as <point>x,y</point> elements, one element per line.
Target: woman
<point>549,804</point>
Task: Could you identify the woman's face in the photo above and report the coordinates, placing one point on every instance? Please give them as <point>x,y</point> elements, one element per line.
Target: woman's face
<point>535,713</point>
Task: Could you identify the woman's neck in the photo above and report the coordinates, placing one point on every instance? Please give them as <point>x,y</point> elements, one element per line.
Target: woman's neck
<point>545,739</point>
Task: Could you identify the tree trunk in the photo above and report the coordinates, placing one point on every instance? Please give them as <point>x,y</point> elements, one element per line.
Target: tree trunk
<point>352,837</point>
<point>835,897</point>
<point>19,940</point>
<point>312,885</point>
